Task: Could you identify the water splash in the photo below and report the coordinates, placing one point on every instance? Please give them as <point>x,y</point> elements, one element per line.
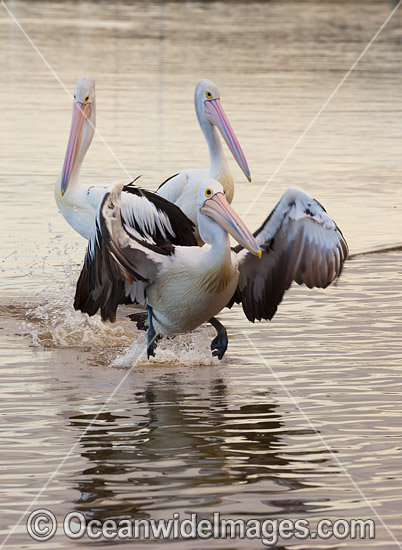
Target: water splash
<point>186,349</point>
<point>54,322</point>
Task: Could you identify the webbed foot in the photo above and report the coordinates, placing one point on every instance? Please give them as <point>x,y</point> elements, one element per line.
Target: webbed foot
<point>141,319</point>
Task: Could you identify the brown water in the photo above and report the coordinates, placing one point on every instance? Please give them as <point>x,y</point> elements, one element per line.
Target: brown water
<point>186,433</point>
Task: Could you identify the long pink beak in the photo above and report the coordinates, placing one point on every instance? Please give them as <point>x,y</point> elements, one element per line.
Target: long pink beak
<point>218,208</point>
<point>216,115</point>
<point>81,112</point>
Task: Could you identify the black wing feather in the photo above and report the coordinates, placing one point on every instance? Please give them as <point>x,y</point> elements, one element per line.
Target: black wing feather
<point>109,266</point>
<point>300,243</point>
<point>183,228</point>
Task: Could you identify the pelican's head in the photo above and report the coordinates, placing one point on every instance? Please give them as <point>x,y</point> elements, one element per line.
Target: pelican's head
<point>82,126</point>
<point>208,107</point>
<point>212,203</point>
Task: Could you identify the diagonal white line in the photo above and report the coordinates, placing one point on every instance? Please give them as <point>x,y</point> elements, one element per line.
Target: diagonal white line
<point>323,107</point>
<point>70,452</point>
<point>329,449</point>
<point>56,76</point>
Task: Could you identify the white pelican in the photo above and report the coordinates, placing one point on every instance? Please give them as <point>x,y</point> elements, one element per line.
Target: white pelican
<point>144,212</point>
<point>181,286</point>
<point>185,286</point>
<point>182,188</point>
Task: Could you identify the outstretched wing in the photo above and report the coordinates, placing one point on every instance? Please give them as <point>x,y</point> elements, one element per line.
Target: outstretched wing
<point>118,266</point>
<point>301,243</point>
<point>150,217</point>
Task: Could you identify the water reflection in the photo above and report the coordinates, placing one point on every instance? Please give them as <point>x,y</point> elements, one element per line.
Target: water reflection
<point>191,441</point>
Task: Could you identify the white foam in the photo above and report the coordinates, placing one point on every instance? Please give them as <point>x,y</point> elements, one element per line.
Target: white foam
<point>187,349</point>
<point>54,322</point>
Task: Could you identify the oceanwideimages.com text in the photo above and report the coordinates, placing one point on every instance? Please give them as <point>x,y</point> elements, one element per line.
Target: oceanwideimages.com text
<point>43,524</point>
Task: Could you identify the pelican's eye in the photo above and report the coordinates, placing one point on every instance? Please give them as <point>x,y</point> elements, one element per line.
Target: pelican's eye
<point>86,98</point>
<point>75,97</point>
<point>209,192</point>
<point>223,190</point>
<point>208,95</point>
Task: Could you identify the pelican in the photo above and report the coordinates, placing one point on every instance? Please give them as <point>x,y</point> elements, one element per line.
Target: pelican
<point>182,188</point>
<point>181,286</point>
<point>184,286</point>
<point>144,212</point>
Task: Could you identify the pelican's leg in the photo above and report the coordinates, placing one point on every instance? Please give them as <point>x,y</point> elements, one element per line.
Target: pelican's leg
<point>220,342</point>
<point>151,335</point>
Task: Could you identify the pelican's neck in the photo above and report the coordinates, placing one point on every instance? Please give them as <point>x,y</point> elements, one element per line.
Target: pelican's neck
<point>214,235</point>
<point>219,169</point>
<point>217,159</point>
